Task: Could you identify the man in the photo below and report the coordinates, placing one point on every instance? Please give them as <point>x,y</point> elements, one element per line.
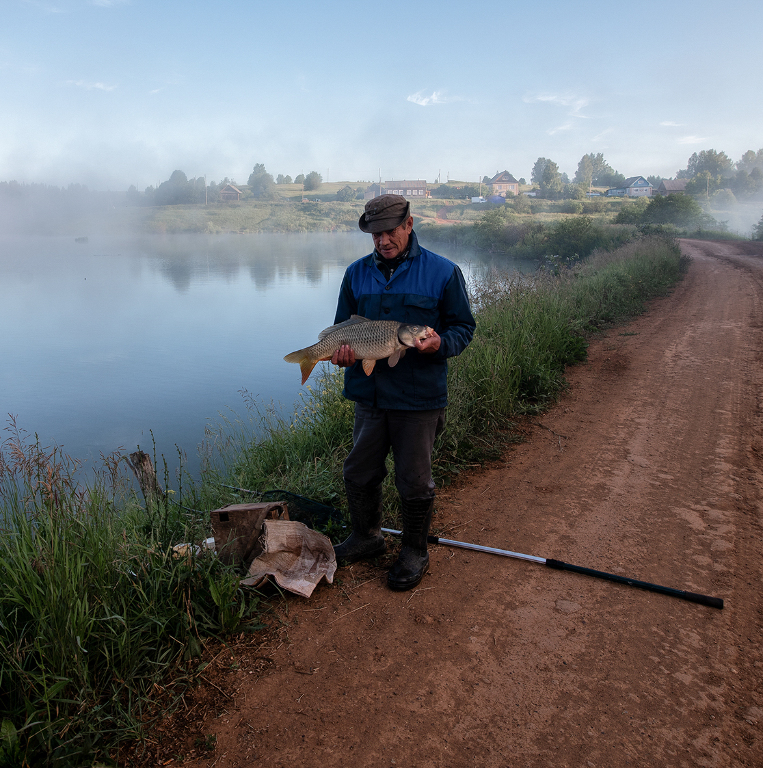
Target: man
<point>403,407</point>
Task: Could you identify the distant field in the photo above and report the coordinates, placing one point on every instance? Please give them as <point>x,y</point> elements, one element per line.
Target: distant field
<point>322,212</point>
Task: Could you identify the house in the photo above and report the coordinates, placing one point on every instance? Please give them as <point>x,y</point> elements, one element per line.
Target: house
<point>635,186</point>
<point>230,193</point>
<point>409,189</point>
<point>670,187</point>
<point>503,184</point>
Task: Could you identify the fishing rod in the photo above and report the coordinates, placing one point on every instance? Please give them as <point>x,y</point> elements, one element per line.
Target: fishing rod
<point>692,597</point>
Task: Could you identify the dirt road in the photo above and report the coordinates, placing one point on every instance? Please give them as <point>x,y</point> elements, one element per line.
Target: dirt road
<point>651,466</point>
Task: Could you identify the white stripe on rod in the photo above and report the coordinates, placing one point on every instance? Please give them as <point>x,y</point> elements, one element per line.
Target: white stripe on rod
<point>478,548</point>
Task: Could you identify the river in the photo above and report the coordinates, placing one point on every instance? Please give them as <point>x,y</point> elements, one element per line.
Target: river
<point>104,342</point>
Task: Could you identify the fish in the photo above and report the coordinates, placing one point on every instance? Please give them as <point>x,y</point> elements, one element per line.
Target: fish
<point>371,340</point>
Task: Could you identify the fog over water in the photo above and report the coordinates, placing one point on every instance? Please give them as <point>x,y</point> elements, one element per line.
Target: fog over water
<point>105,340</point>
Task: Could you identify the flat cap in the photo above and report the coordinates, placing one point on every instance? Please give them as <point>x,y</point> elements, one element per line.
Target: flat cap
<point>384,213</point>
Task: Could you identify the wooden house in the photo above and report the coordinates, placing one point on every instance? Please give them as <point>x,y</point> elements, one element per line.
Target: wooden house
<point>229,193</point>
<point>416,190</point>
<point>671,186</point>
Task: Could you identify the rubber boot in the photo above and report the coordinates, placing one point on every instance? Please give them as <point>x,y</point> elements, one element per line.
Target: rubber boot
<point>366,539</point>
<point>413,561</point>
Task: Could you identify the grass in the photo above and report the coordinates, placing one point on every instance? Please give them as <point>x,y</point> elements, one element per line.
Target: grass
<point>102,622</point>
<point>96,609</point>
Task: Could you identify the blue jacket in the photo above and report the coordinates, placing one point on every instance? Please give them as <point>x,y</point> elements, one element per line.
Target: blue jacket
<point>426,289</point>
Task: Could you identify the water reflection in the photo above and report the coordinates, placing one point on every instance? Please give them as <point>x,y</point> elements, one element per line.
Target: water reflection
<point>106,341</point>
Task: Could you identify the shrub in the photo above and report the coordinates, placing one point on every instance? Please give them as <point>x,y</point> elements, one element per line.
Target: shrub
<point>757,230</point>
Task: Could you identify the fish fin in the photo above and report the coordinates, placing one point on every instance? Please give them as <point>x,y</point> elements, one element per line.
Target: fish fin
<point>394,357</point>
<point>368,366</point>
<point>295,357</point>
<point>354,320</point>
<point>306,366</point>
<point>306,363</point>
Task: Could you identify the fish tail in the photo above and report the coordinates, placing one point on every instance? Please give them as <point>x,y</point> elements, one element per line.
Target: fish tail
<point>306,363</point>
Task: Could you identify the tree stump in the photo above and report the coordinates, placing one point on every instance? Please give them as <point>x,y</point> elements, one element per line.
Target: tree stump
<point>143,469</point>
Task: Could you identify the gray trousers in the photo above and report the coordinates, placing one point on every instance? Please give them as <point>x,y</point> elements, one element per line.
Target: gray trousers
<point>410,434</point>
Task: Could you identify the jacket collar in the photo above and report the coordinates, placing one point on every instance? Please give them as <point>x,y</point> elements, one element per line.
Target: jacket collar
<point>414,250</point>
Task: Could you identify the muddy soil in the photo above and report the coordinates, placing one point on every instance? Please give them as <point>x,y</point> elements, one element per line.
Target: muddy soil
<point>651,466</point>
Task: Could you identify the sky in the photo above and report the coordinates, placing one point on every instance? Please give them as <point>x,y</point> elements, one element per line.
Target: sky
<point>113,93</point>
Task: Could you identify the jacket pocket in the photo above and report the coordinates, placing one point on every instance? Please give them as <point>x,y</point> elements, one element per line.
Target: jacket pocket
<point>421,309</point>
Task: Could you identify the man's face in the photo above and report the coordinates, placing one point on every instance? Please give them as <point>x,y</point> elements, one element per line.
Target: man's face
<point>393,242</point>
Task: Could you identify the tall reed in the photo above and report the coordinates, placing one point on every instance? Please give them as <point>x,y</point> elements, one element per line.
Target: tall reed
<point>96,609</point>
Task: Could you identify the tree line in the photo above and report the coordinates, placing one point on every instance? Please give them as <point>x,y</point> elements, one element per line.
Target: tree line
<point>180,190</point>
<point>708,173</point>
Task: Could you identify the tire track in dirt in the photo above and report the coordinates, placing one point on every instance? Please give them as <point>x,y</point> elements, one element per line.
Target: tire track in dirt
<point>650,466</point>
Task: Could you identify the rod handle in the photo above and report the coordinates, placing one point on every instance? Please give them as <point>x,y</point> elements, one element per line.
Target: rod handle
<point>692,597</point>
<point>430,539</point>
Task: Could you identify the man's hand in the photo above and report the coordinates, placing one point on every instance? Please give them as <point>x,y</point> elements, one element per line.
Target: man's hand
<point>344,356</point>
<point>430,345</point>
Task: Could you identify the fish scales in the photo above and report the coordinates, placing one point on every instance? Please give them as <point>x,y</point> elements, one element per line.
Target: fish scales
<point>371,340</point>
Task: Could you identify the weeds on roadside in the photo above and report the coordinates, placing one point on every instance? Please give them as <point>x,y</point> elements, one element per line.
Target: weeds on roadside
<point>528,330</point>
<point>96,609</point>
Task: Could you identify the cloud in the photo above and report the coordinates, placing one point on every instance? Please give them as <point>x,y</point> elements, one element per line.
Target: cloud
<point>91,86</point>
<point>560,128</point>
<point>602,134</point>
<point>108,3</point>
<point>575,103</point>
<point>692,139</point>
<point>437,97</point>
<point>669,124</point>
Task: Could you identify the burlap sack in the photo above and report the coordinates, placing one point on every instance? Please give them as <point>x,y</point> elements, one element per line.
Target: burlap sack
<point>296,556</point>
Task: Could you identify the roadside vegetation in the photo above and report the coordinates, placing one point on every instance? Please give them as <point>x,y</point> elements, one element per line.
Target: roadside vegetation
<point>528,330</point>
<point>103,623</point>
